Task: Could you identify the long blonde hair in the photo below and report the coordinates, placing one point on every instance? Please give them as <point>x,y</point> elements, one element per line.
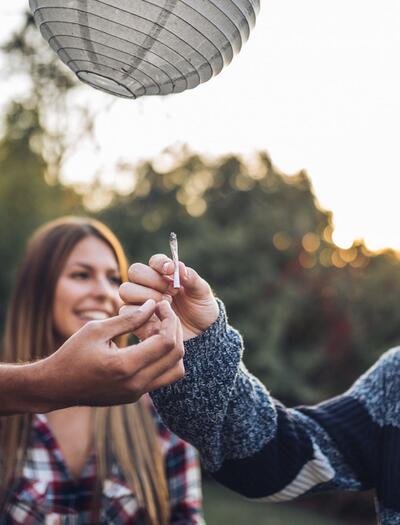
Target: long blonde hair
<point>126,434</point>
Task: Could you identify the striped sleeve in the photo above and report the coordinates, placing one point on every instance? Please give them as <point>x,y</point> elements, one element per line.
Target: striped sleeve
<point>258,447</point>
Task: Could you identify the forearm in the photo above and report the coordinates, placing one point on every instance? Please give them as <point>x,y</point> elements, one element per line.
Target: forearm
<point>251,443</point>
<point>21,390</point>
<point>217,405</point>
<point>246,439</point>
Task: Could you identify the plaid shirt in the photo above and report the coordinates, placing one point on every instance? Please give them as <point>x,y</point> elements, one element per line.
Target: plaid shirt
<point>47,494</point>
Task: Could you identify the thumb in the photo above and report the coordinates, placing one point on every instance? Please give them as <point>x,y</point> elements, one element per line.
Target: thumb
<point>128,320</point>
<point>194,285</point>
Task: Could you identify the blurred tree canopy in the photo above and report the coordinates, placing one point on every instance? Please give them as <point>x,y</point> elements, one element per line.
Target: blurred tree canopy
<point>313,315</point>
<point>26,198</point>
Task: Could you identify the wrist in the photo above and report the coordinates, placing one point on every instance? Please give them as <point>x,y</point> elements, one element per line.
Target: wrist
<point>39,387</point>
<point>215,316</point>
<point>18,392</point>
<point>190,330</point>
<point>209,313</point>
<point>46,385</point>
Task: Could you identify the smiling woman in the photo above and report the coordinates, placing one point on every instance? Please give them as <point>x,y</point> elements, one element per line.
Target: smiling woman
<point>114,465</point>
<point>87,288</point>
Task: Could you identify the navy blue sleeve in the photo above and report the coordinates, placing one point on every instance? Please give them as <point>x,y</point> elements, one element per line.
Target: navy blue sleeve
<point>261,449</point>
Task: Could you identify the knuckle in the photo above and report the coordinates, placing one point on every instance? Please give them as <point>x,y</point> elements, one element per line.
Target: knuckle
<point>166,341</point>
<point>93,328</point>
<point>164,304</point>
<point>158,260</point>
<point>180,369</point>
<point>180,352</point>
<point>139,385</point>
<point>169,341</point>
<point>176,355</point>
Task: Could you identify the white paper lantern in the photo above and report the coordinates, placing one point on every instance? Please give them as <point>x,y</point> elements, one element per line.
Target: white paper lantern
<point>132,48</point>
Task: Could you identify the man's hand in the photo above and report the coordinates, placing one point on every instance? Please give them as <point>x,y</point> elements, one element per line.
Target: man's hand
<point>194,302</point>
<point>89,369</point>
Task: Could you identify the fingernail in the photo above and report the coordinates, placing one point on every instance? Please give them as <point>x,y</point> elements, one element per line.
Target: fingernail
<point>165,267</point>
<point>168,298</point>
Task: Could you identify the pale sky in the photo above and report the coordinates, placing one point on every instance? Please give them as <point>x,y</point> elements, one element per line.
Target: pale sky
<point>317,86</point>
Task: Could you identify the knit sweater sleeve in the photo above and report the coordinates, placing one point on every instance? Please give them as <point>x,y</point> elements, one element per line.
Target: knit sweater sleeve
<point>258,447</point>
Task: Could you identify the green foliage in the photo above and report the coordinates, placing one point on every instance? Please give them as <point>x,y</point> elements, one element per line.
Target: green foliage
<point>28,55</point>
<point>313,316</point>
<point>49,85</point>
<point>305,307</point>
<point>31,151</point>
<point>26,199</point>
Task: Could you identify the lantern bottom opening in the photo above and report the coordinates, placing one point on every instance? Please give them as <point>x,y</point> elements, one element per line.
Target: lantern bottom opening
<point>105,84</point>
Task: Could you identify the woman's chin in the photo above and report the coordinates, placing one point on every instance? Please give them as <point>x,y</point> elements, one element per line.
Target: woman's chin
<point>71,327</point>
<point>74,326</point>
<point>81,322</point>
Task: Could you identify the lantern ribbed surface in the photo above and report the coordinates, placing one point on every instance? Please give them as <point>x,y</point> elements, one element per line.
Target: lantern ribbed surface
<point>132,48</point>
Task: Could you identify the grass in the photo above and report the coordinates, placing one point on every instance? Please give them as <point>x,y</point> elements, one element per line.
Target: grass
<point>223,507</point>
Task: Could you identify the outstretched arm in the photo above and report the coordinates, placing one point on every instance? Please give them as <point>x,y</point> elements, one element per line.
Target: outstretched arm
<point>89,369</point>
<point>249,441</point>
<point>256,446</point>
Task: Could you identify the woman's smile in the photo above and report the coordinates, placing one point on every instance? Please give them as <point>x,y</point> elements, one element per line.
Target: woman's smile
<point>87,289</point>
<point>93,314</point>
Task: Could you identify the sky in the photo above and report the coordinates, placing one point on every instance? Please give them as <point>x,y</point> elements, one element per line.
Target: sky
<point>317,86</point>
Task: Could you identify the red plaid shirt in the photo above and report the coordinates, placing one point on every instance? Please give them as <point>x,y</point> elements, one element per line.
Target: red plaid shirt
<point>47,494</point>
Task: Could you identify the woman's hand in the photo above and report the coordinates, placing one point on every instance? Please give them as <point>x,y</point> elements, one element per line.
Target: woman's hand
<point>193,302</point>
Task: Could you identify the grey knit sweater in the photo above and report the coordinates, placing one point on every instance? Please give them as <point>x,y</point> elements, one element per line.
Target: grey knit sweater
<point>254,445</point>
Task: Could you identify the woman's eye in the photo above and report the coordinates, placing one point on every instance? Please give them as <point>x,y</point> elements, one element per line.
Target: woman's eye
<point>116,280</point>
<point>80,275</point>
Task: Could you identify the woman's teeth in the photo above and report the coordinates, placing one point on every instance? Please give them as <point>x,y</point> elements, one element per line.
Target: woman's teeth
<point>93,315</point>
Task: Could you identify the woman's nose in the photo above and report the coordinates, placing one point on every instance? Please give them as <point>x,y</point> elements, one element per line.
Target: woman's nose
<point>102,287</point>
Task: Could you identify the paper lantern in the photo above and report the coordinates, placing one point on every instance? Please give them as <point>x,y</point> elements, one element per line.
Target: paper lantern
<point>132,48</point>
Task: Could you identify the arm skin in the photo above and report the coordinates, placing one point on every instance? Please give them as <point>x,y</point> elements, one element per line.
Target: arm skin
<point>89,369</point>
<point>17,392</point>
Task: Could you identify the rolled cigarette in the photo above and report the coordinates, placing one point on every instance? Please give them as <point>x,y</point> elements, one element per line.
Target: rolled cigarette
<point>173,244</point>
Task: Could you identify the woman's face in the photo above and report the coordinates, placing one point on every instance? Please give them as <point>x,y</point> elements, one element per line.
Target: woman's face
<point>87,288</point>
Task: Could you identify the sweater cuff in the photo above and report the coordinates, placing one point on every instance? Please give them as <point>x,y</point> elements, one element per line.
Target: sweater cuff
<point>211,362</point>
<point>216,330</point>
<point>213,341</point>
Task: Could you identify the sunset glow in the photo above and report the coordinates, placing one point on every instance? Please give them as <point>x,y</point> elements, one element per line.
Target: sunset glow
<point>314,87</point>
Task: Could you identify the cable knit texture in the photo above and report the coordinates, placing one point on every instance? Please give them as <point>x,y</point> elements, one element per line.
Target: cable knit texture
<point>254,445</point>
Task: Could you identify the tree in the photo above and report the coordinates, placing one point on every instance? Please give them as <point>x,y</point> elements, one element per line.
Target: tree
<point>26,198</point>
<point>260,238</point>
